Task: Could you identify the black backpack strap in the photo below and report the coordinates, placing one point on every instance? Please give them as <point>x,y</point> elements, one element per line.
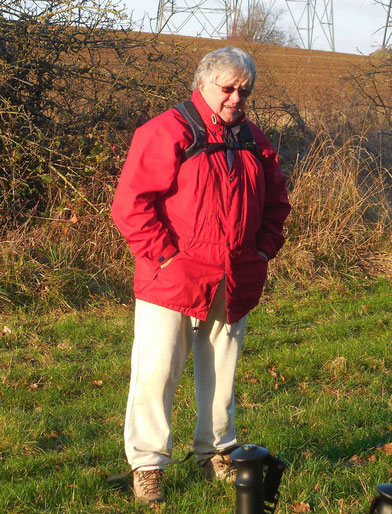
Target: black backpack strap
<point>192,116</point>
<point>247,141</point>
<point>189,112</point>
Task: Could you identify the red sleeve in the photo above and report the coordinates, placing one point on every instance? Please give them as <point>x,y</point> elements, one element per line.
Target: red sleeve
<point>269,237</point>
<point>151,166</point>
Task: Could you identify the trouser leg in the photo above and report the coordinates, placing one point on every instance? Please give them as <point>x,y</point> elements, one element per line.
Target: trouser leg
<point>216,351</point>
<point>163,339</point>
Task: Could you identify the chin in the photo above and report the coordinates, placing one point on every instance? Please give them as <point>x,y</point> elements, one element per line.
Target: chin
<point>229,117</point>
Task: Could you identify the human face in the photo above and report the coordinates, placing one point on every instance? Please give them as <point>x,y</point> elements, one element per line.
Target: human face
<point>229,106</point>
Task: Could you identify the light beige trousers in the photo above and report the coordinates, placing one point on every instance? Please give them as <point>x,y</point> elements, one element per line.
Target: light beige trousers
<point>163,340</point>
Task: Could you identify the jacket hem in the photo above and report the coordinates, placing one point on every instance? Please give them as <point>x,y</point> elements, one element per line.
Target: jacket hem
<point>188,311</point>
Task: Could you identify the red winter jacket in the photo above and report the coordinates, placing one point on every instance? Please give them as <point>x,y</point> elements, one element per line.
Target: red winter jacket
<point>211,219</point>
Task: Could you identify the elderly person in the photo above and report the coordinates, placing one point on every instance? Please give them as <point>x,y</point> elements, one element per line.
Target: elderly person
<point>202,231</point>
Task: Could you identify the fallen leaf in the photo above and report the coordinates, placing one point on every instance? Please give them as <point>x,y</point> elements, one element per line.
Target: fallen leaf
<point>272,372</point>
<point>301,507</point>
<point>74,219</point>
<point>356,461</point>
<point>372,458</point>
<point>307,454</point>
<point>6,330</point>
<point>249,376</point>
<point>386,448</point>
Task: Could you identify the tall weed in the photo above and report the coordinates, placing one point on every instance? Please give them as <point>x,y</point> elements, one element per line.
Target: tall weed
<point>341,208</point>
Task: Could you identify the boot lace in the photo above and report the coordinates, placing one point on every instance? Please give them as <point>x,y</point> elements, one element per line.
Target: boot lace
<point>150,481</point>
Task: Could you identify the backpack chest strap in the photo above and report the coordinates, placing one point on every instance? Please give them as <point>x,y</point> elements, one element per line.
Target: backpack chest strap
<point>243,140</point>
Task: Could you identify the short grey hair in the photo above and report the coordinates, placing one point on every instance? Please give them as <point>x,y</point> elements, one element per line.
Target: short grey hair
<point>222,61</point>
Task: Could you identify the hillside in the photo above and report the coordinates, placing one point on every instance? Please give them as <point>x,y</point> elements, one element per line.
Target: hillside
<point>313,85</point>
<point>301,73</point>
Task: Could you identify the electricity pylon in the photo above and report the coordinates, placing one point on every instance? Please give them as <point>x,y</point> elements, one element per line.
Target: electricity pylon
<point>388,25</point>
<point>310,13</point>
<point>212,18</point>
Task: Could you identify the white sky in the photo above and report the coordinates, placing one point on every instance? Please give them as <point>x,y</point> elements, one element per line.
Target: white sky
<point>359,24</point>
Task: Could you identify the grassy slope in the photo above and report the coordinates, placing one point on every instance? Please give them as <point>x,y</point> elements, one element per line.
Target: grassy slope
<point>314,386</point>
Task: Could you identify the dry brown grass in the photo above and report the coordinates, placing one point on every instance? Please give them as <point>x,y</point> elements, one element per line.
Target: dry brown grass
<point>340,224</point>
<point>341,211</point>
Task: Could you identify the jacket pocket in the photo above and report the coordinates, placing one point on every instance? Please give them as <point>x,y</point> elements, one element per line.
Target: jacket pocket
<point>162,268</point>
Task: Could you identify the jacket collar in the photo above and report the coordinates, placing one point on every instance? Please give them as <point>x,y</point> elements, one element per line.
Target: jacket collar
<point>210,118</point>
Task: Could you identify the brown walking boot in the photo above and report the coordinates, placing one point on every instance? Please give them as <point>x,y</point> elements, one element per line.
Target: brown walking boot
<point>148,486</point>
<point>220,467</point>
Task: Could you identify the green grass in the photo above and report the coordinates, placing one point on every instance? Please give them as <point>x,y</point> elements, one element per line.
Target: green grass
<point>314,386</point>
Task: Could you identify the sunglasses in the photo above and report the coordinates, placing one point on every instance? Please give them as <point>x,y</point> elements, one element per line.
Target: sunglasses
<point>229,90</point>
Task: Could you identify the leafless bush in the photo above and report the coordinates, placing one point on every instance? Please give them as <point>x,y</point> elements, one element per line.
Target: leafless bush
<point>373,83</point>
<point>260,23</point>
<point>74,82</point>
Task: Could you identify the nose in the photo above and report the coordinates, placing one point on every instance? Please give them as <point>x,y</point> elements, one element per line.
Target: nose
<point>236,96</point>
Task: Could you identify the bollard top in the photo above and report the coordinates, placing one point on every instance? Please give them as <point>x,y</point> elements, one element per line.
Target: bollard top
<point>385,490</point>
<point>249,452</point>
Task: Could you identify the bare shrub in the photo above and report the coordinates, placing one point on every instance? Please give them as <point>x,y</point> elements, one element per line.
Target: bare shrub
<point>74,84</point>
<point>260,24</point>
<point>374,86</point>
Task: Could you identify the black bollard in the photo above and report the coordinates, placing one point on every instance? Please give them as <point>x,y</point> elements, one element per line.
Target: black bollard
<point>253,490</point>
<point>248,459</point>
<point>382,504</point>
